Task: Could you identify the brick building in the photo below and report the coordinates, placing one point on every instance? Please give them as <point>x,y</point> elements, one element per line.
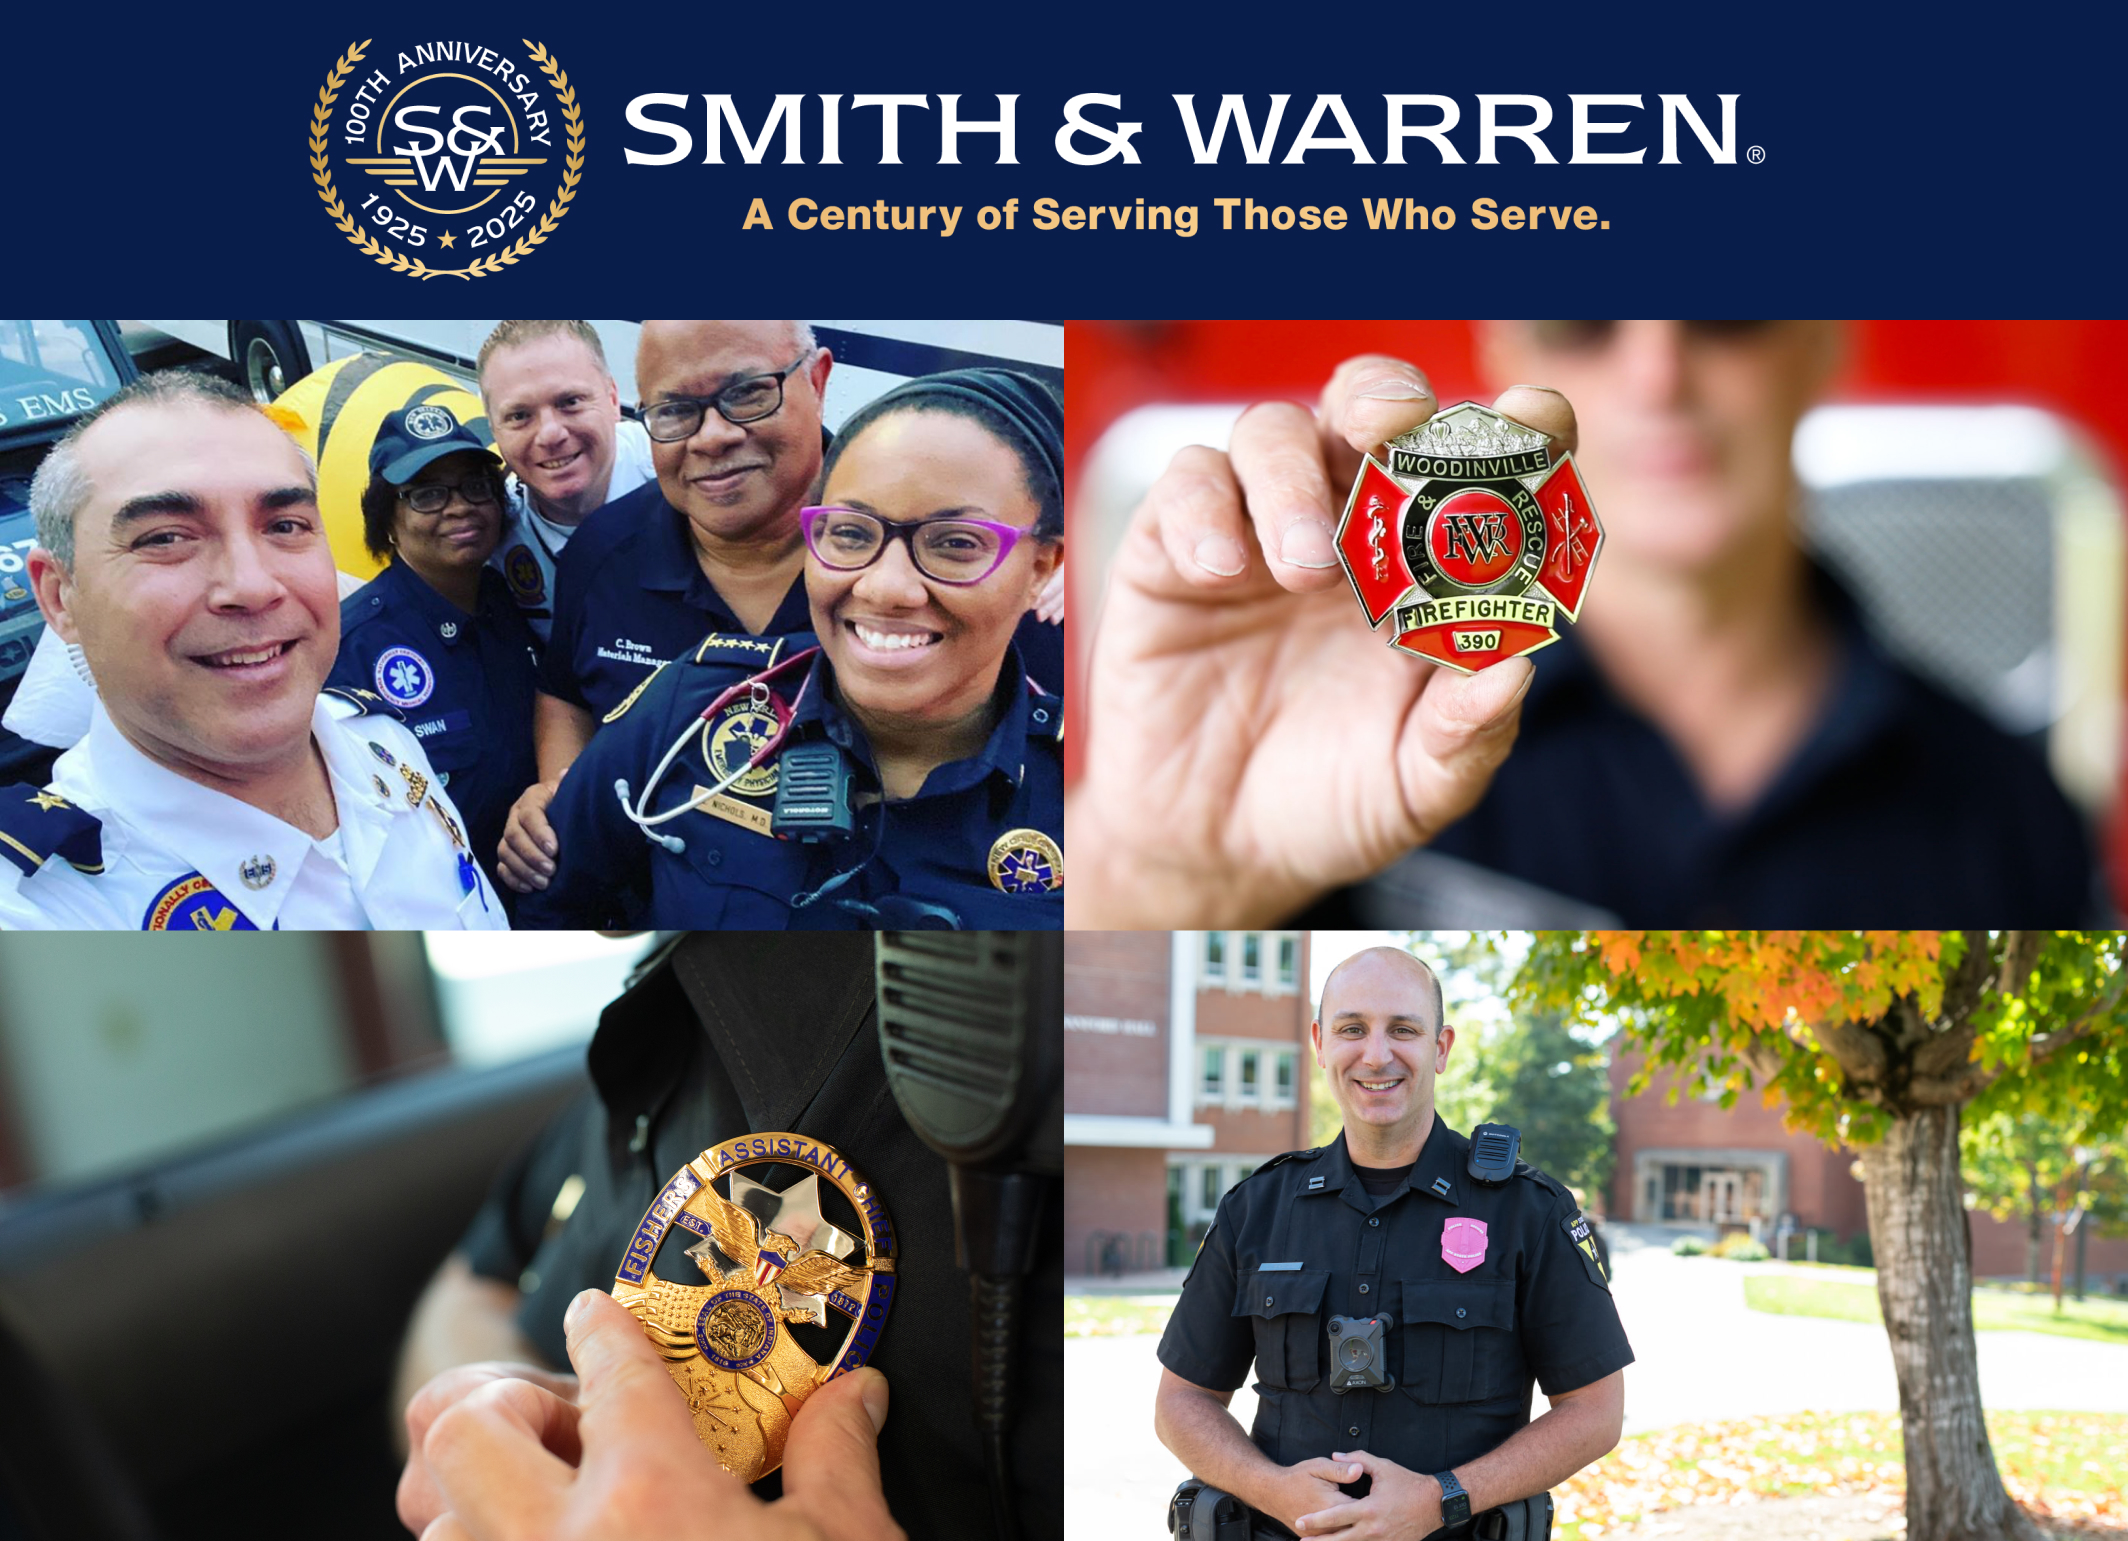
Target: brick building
<point>1699,1163</point>
<point>1185,1067</point>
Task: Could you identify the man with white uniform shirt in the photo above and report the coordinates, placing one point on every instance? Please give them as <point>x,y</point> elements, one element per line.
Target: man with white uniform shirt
<point>181,548</point>
<point>556,415</point>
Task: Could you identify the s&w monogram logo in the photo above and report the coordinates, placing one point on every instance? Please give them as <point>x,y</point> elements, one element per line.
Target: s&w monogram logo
<point>455,146</point>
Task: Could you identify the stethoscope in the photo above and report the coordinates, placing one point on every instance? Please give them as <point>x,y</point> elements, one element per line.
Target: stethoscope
<point>755,692</point>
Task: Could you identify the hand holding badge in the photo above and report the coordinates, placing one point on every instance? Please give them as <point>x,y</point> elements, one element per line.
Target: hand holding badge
<point>771,1262</point>
<point>1475,538</point>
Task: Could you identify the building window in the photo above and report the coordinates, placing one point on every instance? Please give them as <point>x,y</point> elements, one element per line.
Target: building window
<point>1215,957</point>
<point>1288,962</point>
<point>1284,1083</point>
<point>1211,1187</point>
<point>1251,957</point>
<point>1249,1086</point>
<point>1215,1072</point>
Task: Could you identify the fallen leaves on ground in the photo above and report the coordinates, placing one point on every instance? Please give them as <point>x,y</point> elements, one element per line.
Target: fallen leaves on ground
<point>2068,1469</point>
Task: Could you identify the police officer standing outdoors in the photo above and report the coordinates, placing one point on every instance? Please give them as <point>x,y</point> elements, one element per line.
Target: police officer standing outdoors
<point>1398,1296</point>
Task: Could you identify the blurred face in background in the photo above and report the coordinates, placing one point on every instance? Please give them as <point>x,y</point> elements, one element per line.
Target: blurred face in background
<point>1686,426</point>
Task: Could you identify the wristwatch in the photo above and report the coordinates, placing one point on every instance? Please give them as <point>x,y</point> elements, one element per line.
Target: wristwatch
<point>1455,1503</point>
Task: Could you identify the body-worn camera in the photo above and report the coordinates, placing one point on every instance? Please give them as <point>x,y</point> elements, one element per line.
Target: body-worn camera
<point>1357,1362</point>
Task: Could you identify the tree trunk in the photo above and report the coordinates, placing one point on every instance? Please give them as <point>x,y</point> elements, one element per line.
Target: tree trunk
<point>1925,1285</point>
<point>2032,1224</point>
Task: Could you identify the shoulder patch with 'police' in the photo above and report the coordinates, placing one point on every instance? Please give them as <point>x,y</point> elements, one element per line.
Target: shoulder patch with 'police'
<point>633,696</point>
<point>1583,1236</point>
<point>366,702</point>
<point>37,825</point>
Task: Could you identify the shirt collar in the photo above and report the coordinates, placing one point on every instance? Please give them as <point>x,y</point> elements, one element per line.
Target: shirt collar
<point>1004,753</point>
<point>439,617</point>
<point>222,838</point>
<point>671,567</point>
<point>1438,1173</point>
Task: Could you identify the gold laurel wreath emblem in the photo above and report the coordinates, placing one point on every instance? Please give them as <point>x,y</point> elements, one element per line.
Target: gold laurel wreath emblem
<point>414,267</point>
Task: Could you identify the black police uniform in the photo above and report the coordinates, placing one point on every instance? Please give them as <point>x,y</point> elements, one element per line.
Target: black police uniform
<point>735,1035</point>
<point>463,684</point>
<point>968,850</point>
<point>1302,1240</point>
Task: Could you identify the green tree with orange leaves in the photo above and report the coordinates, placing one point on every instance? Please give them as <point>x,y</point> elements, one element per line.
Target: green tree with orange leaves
<point>1885,1040</point>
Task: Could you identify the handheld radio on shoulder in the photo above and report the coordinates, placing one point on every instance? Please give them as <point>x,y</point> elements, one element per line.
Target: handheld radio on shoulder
<point>971,1030</point>
<point>1493,1148</point>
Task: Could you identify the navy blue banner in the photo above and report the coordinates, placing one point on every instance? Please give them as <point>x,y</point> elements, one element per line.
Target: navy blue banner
<point>1788,161</point>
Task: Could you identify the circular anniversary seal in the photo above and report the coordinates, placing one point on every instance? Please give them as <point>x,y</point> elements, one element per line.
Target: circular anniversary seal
<point>1475,536</point>
<point>457,158</point>
<point>774,1265</point>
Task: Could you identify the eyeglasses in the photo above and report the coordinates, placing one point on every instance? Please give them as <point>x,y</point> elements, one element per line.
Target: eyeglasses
<point>743,401</point>
<point>1594,336</point>
<point>956,551</point>
<point>435,497</point>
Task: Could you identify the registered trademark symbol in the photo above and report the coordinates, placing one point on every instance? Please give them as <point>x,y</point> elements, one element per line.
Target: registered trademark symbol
<point>1755,154</point>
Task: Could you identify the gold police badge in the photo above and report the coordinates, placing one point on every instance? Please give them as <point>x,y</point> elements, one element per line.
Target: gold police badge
<point>775,1266</point>
<point>449,150</point>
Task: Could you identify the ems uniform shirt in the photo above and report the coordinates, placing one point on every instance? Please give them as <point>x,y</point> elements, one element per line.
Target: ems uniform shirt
<point>629,596</point>
<point>776,1034</point>
<point>464,683</point>
<point>531,543</point>
<point>1490,1288</point>
<point>120,843</point>
<point>979,847</point>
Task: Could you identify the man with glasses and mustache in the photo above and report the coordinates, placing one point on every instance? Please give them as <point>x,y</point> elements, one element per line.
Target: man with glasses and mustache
<point>1720,740</point>
<point>180,546</point>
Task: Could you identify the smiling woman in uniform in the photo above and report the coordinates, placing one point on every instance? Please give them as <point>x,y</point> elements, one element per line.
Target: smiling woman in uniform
<point>919,769</point>
<point>436,633</point>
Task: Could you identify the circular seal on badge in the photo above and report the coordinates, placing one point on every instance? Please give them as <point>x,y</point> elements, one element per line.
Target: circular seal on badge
<point>737,737</point>
<point>404,678</point>
<point>796,1271</point>
<point>1026,861</point>
<point>447,159</point>
<point>1474,536</point>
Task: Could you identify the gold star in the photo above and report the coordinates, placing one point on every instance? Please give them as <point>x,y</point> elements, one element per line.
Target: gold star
<point>448,239</point>
<point>48,801</point>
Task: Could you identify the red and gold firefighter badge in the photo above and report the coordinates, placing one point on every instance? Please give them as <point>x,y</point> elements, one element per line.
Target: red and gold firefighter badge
<point>1475,538</point>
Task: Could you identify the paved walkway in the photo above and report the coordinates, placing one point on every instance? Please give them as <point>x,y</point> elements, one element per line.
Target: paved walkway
<point>1701,1355</point>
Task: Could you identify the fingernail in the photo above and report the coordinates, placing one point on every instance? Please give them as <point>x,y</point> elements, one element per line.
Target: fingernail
<point>1306,543</point>
<point>1393,388</point>
<point>546,869</point>
<point>1544,388</point>
<point>1219,554</point>
<point>874,1395</point>
<point>576,1309</point>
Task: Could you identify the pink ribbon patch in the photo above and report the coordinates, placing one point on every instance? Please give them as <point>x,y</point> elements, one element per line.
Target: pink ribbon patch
<point>1463,1244</point>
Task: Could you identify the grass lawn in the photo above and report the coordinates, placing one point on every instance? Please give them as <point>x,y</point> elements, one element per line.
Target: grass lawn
<point>2066,1467</point>
<point>2105,1321</point>
<point>1116,1316</point>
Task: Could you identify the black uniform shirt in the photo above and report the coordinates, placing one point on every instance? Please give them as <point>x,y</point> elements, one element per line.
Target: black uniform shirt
<point>1465,1345</point>
<point>762,1034</point>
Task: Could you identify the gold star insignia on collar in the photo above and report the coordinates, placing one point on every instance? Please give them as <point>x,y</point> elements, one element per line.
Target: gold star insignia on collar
<point>49,800</point>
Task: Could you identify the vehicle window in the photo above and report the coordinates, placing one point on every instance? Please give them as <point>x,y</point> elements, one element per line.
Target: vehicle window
<point>118,1051</point>
<point>51,370</point>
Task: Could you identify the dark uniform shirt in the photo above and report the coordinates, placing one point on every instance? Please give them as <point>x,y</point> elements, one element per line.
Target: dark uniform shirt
<point>1902,808</point>
<point>980,846</point>
<point>462,683</point>
<point>630,595</point>
<point>739,1035</point>
<point>1465,1345</point>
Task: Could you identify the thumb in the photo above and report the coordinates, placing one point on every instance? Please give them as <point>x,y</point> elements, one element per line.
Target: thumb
<point>623,1381</point>
<point>831,1460</point>
<point>1461,730</point>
